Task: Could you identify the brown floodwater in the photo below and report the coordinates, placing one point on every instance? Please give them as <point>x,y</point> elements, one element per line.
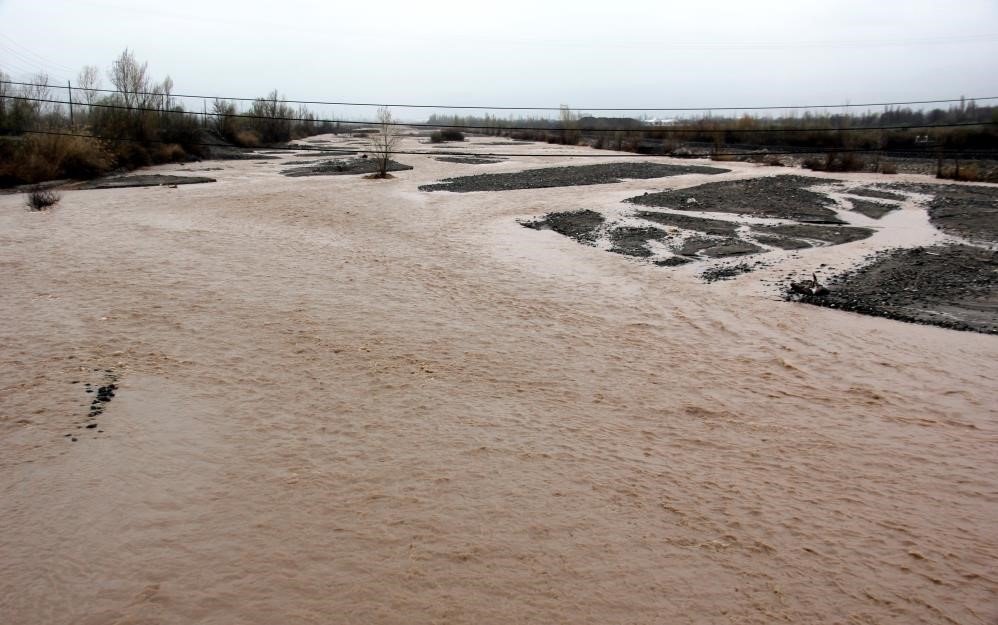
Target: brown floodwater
<point>346,401</point>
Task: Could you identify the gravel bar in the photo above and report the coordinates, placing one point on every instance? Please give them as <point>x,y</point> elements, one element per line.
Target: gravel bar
<point>580,175</point>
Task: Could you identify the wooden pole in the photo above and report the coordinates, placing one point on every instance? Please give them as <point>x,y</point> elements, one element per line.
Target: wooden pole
<point>69,85</point>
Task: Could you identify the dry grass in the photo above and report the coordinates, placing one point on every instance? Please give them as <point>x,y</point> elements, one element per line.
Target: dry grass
<point>49,157</point>
<point>969,172</point>
<point>167,153</point>
<point>723,157</point>
<point>247,138</point>
<point>841,161</point>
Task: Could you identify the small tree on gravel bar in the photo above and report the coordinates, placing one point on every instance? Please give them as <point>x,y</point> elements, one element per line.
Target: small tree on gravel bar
<point>385,141</point>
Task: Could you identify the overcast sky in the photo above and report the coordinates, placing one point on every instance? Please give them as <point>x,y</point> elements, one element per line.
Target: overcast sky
<point>525,53</point>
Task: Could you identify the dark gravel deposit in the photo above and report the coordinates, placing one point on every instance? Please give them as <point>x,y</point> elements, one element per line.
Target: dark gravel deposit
<point>633,241</point>
<point>566,177</point>
<point>966,211</point>
<point>583,226</point>
<point>688,222</point>
<point>950,286</point>
<point>873,210</point>
<point>784,243</point>
<point>781,197</point>
<point>148,180</point>
<point>725,273</point>
<point>326,152</point>
<point>835,235</point>
<point>228,153</point>
<point>717,248</point>
<point>876,193</point>
<point>346,167</point>
<point>469,160</point>
<point>674,261</point>
<point>969,211</point>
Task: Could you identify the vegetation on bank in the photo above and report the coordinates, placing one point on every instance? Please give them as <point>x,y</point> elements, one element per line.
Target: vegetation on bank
<point>844,142</point>
<point>140,123</point>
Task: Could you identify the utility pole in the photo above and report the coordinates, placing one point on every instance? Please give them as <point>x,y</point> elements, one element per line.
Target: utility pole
<point>69,86</point>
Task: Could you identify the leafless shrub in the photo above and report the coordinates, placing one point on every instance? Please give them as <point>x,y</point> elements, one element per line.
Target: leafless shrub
<point>41,199</point>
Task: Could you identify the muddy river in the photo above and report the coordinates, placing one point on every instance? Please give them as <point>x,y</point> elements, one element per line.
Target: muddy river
<point>344,400</point>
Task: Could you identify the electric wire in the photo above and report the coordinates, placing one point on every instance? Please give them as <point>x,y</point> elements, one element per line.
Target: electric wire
<point>653,129</point>
<point>551,108</point>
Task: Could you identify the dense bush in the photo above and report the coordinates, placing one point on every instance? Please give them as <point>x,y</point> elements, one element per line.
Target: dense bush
<point>446,134</point>
<point>35,158</point>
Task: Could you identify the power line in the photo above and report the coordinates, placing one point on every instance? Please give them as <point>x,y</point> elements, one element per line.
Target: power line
<point>20,66</point>
<point>22,59</point>
<point>24,51</point>
<point>928,152</point>
<point>652,129</point>
<point>552,108</point>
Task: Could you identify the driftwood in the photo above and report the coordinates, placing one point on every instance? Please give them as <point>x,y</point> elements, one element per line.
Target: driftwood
<point>809,287</point>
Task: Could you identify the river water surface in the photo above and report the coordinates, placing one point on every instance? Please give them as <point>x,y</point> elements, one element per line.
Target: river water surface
<point>347,401</point>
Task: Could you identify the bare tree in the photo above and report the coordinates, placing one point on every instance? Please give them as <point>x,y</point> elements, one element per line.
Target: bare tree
<point>271,117</point>
<point>385,142</point>
<point>569,126</point>
<point>4,94</point>
<point>130,78</point>
<point>36,92</point>
<point>223,118</point>
<point>20,108</point>
<point>88,83</point>
<point>167,90</point>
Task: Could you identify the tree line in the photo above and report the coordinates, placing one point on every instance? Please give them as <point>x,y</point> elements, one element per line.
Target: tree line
<point>137,122</point>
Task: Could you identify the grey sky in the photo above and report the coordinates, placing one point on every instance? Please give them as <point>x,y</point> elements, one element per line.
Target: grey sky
<point>514,52</point>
